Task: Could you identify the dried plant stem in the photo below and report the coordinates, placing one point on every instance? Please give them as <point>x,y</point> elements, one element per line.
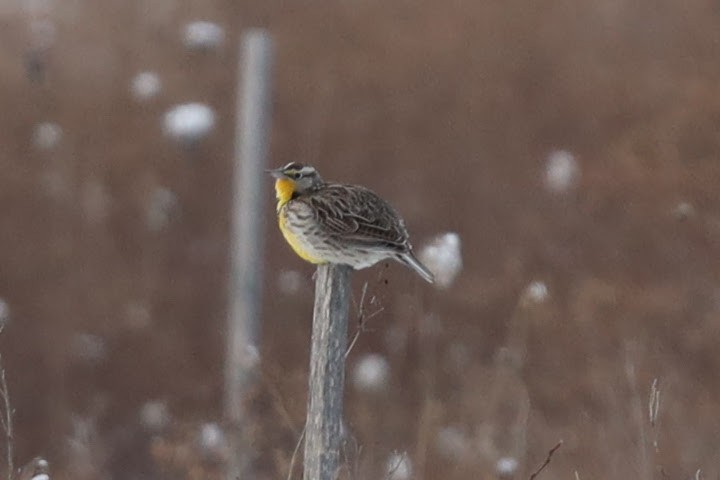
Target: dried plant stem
<point>293,459</point>
<point>362,317</point>
<point>394,468</point>
<point>7,422</point>
<point>654,411</point>
<point>547,460</point>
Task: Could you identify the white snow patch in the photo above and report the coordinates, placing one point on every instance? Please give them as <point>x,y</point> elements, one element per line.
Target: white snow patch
<point>4,313</point>
<point>145,85</point>
<point>371,373</point>
<point>443,257</point>
<point>212,441</point>
<point>506,466</point>
<point>203,35</point>
<point>47,135</point>
<point>562,171</point>
<point>536,292</point>
<point>189,122</point>
<point>398,466</point>
<point>211,436</point>
<point>41,476</point>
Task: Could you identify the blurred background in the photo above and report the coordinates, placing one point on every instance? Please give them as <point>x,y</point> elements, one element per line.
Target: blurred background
<point>557,161</point>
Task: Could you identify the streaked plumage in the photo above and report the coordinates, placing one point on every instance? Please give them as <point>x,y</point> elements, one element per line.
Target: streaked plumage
<point>336,223</point>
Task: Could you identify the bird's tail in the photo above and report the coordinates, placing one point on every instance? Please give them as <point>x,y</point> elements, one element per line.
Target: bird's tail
<point>409,259</point>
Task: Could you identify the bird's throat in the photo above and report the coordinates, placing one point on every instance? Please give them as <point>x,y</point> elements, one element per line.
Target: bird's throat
<point>284,190</point>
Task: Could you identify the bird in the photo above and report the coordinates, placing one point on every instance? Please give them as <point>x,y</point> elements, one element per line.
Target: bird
<point>325,222</point>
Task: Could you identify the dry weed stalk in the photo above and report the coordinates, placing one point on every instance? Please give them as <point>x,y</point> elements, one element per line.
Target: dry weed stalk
<point>6,420</point>
<point>394,468</point>
<point>363,317</point>
<point>293,459</point>
<point>352,458</point>
<point>653,411</point>
<point>547,461</point>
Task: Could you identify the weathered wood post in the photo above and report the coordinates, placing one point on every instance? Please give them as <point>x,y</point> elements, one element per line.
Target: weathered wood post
<point>246,248</point>
<point>323,427</point>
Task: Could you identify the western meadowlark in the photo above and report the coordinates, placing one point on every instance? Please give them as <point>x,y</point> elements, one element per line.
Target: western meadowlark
<point>335,223</point>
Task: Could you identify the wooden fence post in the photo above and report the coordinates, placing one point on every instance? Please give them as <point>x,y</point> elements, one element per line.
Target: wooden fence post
<point>323,427</point>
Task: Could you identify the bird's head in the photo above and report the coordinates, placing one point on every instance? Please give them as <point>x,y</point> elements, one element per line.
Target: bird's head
<point>295,178</point>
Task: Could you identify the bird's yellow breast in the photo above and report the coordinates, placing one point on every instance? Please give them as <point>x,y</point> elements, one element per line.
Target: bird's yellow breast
<point>296,242</point>
<point>284,189</point>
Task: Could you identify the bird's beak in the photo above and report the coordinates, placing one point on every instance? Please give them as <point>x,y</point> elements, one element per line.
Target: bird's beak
<point>276,172</point>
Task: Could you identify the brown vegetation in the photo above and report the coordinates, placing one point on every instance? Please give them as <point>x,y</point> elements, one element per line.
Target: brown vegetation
<point>448,109</point>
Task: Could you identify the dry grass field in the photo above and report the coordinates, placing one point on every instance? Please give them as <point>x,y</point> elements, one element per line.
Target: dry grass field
<point>572,301</point>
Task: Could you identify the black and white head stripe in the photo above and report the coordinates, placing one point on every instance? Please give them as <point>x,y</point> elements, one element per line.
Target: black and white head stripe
<point>297,170</point>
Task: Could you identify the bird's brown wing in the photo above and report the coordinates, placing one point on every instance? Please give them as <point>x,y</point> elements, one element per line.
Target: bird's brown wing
<point>360,217</point>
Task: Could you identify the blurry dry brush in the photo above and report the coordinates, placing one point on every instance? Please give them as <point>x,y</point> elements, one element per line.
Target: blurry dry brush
<point>6,419</point>
<point>35,469</point>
